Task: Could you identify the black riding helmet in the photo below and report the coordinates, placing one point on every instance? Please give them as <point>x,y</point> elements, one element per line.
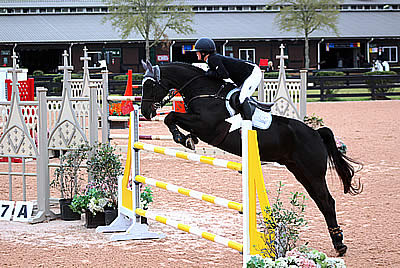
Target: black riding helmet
<point>205,45</point>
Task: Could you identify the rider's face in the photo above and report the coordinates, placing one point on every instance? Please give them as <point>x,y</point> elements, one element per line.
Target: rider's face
<point>198,55</point>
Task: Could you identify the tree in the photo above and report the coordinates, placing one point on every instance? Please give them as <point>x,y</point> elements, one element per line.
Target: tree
<point>306,16</point>
<point>149,18</point>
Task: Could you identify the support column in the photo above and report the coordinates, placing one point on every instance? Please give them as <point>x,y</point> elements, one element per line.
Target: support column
<point>42,163</point>
<point>303,94</point>
<point>105,125</point>
<point>261,90</point>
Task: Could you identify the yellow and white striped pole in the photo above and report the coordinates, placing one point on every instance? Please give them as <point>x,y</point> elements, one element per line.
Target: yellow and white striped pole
<point>192,230</point>
<point>189,156</point>
<point>192,193</point>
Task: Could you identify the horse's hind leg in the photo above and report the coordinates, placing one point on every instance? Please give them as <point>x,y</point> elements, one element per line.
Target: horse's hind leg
<point>313,180</point>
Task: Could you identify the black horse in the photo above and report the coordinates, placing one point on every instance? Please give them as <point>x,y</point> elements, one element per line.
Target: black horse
<point>304,151</point>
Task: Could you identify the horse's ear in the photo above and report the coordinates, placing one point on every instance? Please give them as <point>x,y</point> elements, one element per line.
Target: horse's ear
<point>144,65</point>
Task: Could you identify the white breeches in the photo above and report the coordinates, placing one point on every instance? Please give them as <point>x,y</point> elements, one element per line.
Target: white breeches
<point>250,84</point>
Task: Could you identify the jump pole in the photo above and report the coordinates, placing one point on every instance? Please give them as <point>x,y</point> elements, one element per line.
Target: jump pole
<point>129,213</point>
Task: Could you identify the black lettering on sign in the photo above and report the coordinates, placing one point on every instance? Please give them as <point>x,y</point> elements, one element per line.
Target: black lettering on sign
<point>23,212</point>
<point>6,207</point>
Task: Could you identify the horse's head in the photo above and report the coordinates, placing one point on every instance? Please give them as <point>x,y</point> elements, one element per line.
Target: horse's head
<point>153,92</point>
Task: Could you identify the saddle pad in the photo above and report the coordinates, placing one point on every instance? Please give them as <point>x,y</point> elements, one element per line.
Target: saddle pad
<point>260,119</point>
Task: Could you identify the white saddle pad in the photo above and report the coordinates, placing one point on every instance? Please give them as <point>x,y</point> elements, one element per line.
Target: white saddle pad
<point>260,119</point>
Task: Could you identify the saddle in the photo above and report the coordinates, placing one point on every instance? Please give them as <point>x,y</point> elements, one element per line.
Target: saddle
<point>252,103</point>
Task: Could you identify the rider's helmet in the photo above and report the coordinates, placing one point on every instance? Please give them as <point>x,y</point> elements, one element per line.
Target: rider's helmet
<point>205,45</point>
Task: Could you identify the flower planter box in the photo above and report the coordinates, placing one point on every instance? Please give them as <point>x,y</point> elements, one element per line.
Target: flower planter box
<point>110,215</point>
<point>118,125</point>
<point>66,212</point>
<point>93,221</point>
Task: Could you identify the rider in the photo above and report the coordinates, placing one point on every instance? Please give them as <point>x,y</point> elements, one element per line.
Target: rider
<point>246,75</point>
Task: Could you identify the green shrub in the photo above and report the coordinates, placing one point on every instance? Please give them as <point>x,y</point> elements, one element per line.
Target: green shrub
<point>146,197</point>
<point>121,77</point>
<point>69,175</point>
<point>138,77</point>
<point>59,78</point>
<point>330,83</point>
<point>271,74</point>
<point>380,85</point>
<point>104,167</point>
<point>38,73</point>
<point>124,77</point>
<point>381,73</point>
<point>329,73</point>
<point>282,229</point>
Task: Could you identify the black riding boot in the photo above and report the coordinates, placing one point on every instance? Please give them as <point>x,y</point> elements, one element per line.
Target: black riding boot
<point>246,110</point>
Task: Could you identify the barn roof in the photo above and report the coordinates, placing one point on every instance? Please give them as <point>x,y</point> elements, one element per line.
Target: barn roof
<point>233,26</point>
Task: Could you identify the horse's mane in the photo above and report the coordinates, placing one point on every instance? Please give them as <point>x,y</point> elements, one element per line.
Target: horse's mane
<point>186,65</point>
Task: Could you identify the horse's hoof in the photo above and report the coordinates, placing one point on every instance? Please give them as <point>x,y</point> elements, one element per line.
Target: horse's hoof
<point>190,144</point>
<point>341,250</point>
<point>194,138</point>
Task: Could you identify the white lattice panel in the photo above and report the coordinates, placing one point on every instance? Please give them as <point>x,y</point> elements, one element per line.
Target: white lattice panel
<point>53,111</point>
<point>29,113</point>
<point>4,112</point>
<point>76,87</point>
<point>81,109</point>
<point>293,86</point>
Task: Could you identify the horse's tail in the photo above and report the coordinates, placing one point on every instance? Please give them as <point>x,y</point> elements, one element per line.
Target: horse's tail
<point>342,163</point>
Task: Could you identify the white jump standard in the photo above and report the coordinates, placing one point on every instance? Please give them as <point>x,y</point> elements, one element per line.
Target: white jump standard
<point>128,220</point>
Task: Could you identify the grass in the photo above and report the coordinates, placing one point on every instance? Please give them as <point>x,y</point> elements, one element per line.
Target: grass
<point>349,91</point>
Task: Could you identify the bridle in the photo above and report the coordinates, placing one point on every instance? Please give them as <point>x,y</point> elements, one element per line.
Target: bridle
<point>156,78</point>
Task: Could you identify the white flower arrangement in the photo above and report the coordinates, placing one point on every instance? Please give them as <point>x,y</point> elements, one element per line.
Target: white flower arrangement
<point>97,205</point>
<point>304,258</point>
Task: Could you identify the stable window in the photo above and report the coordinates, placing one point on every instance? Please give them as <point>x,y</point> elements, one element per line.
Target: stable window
<point>389,53</point>
<point>247,54</point>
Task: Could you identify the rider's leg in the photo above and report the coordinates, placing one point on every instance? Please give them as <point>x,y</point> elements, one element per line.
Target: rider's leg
<point>247,89</point>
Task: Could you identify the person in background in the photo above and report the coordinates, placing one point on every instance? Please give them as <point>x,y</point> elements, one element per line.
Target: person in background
<point>386,66</point>
<point>246,75</point>
<point>270,67</point>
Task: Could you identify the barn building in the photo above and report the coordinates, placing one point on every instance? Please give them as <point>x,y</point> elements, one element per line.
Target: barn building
<point>40,30</point>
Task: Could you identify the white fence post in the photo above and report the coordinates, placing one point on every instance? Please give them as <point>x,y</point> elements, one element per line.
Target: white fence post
<point>303,94</point>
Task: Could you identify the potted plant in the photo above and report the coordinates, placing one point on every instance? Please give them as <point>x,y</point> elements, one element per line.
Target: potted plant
<point>146,197</point>
<point>282,231</point>
<point>93,202</point>
<point>104,168</point>
<point>67,179</point>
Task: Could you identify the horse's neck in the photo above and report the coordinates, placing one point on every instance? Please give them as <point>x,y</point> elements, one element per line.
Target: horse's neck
<point>189,81</point>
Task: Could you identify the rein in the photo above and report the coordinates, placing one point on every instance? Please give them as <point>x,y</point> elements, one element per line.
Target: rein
<point>172,93</point>
<point>214,96</point>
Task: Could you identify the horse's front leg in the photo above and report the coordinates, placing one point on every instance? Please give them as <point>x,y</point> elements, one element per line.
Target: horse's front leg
<point>185,121</point>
